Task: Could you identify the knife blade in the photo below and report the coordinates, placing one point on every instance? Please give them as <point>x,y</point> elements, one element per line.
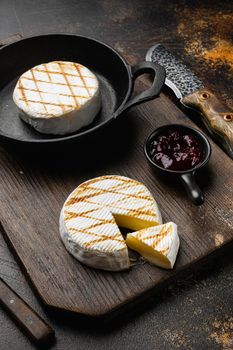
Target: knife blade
<point>192,93</point>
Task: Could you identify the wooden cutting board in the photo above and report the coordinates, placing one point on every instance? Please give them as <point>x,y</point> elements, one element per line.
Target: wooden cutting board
<point>34,185</point>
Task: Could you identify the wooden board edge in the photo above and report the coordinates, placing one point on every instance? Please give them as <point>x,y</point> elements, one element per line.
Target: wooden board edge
<point>127,306</point>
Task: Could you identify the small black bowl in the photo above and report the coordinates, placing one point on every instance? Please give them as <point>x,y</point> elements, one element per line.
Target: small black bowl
<point>187,176</point>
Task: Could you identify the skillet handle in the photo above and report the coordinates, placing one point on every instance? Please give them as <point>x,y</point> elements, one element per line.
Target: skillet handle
<point>192,189</point>
<point>157,84</point>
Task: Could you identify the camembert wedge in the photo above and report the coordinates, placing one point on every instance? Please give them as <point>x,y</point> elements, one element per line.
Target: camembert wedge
<point>91,215</point>
<point>158,244</point>
<point>58,97</point>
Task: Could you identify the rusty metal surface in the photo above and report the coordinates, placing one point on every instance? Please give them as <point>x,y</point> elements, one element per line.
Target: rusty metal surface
<point>196,312</point>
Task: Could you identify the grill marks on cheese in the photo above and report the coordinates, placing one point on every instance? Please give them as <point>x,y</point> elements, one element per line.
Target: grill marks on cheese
<point>89,224</point>
<point>155,238</point>
<point>163,233</point>
<point>52,79</point>
<point>90,211</point>
<point>158,244</point>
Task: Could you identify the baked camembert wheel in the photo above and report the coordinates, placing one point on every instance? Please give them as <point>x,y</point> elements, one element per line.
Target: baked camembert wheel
<point>91,215</point>
<point>58,97</point>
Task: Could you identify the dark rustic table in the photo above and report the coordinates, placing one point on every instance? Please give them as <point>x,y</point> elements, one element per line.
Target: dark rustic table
<point>196,311</point>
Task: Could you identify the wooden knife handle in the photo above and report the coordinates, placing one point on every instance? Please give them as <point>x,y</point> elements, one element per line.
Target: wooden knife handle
<point>25,317</point>
<point>217,117</point>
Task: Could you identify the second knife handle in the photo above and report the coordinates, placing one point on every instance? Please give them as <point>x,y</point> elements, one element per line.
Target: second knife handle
<point>217,117</point>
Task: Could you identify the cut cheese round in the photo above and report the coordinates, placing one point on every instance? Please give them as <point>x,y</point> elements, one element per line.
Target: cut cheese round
<point>158,244</point>
<point>58,97</point>
<point>91,215</point>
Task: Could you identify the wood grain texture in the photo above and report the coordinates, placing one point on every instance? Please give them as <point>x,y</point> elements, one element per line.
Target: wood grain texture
<point>217,117</point>
<point>27,319</point>
<point>193,313</point>
<point>35,186</point>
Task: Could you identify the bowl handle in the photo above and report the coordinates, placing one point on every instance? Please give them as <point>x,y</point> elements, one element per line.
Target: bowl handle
<point>157,84</point>
<point>192,189</point>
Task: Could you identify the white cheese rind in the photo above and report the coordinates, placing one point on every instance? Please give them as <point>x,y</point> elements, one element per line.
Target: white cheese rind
<point>57,98</point>
<point>116,260</point>
<point>163,239</point>
<point>122,196</point>
<point>87,225</point>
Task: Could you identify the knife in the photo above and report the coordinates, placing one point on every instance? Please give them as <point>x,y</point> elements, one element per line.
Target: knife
<point>30,322</point>
<point>192,93</point>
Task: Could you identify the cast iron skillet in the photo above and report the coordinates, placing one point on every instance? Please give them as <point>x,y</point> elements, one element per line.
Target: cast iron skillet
<point>116,79</point>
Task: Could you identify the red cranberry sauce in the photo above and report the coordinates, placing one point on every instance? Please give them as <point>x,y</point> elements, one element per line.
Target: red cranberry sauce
<point>176,150</point>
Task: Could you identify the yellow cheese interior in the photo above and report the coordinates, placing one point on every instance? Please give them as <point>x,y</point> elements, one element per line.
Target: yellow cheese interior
<point>150,254</point>
<point>132,223</point>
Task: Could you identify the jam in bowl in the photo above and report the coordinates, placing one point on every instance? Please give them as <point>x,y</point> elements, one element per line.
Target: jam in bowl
<point>179,150</point>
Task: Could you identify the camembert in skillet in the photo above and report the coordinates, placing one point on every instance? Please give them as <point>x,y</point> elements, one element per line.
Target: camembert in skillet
<point>58,97</point>
<point>91,214</point>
